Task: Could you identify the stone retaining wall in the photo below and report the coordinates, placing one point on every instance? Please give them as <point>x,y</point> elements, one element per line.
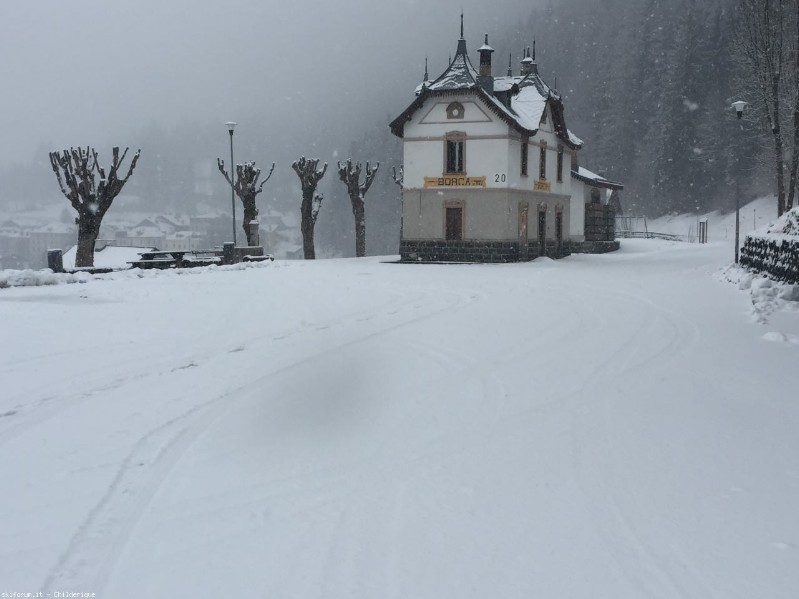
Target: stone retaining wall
<point>776,256</point>
<point>476,251</point>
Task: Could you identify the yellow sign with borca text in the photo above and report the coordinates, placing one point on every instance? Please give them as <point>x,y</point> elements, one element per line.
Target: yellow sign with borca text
<point>454,181</point>
<point>542,185</point>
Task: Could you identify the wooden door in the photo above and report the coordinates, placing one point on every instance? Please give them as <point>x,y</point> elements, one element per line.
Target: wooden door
<point>523,235</point>
<point>559,231</point>
<point>542,233</point>
<point>454,224</point>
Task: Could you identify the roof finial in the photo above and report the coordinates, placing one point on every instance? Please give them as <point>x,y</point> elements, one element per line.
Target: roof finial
<point>510,64</point>
<point>533,49</point>
<point>461,23</point>
<point>426,76</point>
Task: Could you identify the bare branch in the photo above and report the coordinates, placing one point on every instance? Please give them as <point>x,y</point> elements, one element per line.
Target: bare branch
<point>398,179</point>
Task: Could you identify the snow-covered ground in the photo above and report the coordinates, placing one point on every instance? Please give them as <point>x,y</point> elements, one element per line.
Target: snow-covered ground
<point>720,226</point>
<point>621,426</point>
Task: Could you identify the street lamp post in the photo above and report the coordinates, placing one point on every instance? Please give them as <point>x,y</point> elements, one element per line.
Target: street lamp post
<point>739,109</point>
<point>230,126</point>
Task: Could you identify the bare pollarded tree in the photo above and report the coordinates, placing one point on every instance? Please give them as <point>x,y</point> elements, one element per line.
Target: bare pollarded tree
<point>351,176</point>
<point>310,175</point>
<point>247,188</point>
<point>90,191</point>
<point>399,179</point>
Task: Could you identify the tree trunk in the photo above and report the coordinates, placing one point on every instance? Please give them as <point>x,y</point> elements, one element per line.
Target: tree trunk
<point>779,147</point>
<point>250,214</point>
<point>360,227</point>
<point>795,156</point>
<point>88,231</point>
<point>307,225</point>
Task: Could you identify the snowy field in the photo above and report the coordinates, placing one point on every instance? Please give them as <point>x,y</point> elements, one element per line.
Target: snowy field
<point>619,426</point>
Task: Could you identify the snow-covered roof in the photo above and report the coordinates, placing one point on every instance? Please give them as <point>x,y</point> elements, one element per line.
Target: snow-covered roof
<point>529,106</point>
<point>460,73</point>
<point>574,139</point>
<point>583,174</point>
<point>519,100</point>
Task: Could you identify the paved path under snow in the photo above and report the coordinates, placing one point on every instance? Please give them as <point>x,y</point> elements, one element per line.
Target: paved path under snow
<point>604,426</point>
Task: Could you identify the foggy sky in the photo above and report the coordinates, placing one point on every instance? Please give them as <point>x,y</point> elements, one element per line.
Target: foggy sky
<point>95,71</point>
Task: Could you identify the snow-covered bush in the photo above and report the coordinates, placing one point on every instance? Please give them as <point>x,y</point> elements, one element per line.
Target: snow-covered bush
<point>774,250</point>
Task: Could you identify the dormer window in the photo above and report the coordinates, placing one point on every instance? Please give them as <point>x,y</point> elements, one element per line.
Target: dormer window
<point>455,111</point>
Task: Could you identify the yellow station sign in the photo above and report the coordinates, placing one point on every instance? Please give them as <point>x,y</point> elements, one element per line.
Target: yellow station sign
<point>542,185</point>
<point>454,181</point>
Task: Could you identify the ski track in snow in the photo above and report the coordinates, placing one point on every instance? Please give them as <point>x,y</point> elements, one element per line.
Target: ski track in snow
<point>635,557</point>
<point>99,541</point>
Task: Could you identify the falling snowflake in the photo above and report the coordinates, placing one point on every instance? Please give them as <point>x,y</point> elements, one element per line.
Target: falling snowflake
<point>689,105</point>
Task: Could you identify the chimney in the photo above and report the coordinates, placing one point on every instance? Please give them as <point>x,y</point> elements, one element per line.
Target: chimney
<point>485,79</point>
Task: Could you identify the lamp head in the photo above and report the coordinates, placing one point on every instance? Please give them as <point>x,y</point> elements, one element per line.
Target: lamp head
<point>739,107</point>
<point>230,126</point>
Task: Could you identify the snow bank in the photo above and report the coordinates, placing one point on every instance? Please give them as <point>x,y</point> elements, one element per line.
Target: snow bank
<point>768,295</point>
<point>36,278</point>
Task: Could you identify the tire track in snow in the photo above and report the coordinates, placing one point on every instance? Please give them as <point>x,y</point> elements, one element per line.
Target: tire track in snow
<point>93,552</point>
<point>642,565</point>
<point>99,538</point>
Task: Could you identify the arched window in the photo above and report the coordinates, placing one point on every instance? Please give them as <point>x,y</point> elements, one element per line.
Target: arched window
<point>455,111</point>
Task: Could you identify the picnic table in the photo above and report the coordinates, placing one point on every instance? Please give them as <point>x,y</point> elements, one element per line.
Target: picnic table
<point>179,258</point>
<point>175,259</point>
<point>159,259</point>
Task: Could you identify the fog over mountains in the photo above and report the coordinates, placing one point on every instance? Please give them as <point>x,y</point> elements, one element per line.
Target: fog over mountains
<point>646,85</point>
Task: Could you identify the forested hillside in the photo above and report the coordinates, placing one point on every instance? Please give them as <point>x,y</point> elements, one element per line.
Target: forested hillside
<point>647,86</point>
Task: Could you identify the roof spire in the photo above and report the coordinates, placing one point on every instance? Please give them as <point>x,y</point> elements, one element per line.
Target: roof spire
<point>426,76</point>
<point>533,49</point>
<point>510,64</point>
<point>462,23</point>
<point>527,62</point>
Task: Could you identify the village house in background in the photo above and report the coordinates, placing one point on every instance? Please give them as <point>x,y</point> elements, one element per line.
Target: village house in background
<point>491,170</point>
<point>24,244</point>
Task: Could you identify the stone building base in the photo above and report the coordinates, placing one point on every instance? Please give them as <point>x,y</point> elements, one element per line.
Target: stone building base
<point>477,251</point>
<point>594,247</point>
